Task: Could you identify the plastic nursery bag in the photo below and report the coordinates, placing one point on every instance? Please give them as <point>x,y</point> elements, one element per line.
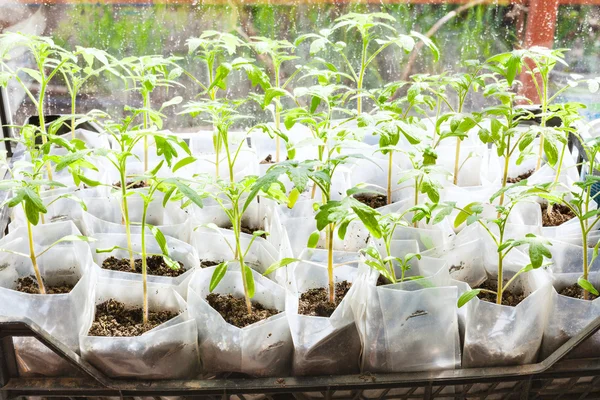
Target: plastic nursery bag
<point>261,349</point>
<point>568,316</point>
<point>412,325</point>
<point>373,173</point>
<point>497,335</point>
<point>324,346</point>
<point>463,257</point>
<point>169,351</point>
<point>471,159</point>
<point>61,315</point>
<point>178,251</point>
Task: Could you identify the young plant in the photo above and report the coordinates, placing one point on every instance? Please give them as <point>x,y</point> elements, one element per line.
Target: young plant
<point>579,202</point>
<point>127,135</point>
<point>537,250</point>
<point>234,198</point>
<point>504,121</point>
<point>25,184</point>
<point>211,48</point>
<point>222,115</point>
<point>331,214</point>
<point>274,87</point>
<point>538,63</point>
<point>147,74</point>
<point>49,60</point>
<point>374,29</point>
<point>393,121</point>
<point>425,174</point>
<point>384,263</point>
<point>155,185</point>
<point>76,76</point>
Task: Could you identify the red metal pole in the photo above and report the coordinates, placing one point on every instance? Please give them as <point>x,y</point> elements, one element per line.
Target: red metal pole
<point>541,24</point>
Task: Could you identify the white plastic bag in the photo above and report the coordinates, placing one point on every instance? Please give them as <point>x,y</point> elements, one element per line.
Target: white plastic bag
<point>61,315</point>
<point>169,351</point>
<point>497,335</point>
<point>412,325</point>
<point>323,346</point>
<point>568,316</point>
<point>261,349</point>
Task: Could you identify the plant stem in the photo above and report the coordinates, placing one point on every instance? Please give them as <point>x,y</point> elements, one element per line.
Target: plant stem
<point>126,219</point>
<point>389,177</point>
<point>38,275</point>
<point>389,253</point>
<point>144,263</point>
<point>243,270</point>
<point>330,238</point>
<point>417,184</point>
<point>42,122</point>
<point>456,161</point>
<point>277,118</point>
<point>504,178</point>
<point>361,76</point>
<point>540,153</point>
<point>560,161</point>
<point>146,97</point>
<point>73,100</point>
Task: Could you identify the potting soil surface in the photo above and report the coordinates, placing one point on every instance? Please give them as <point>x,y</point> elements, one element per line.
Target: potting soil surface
<point>575,291</point>
<point>560,214</point>
<point>28,284</point>
<point>372,200</point>
<point>209,263</point>
<point>315,302</point>
<point>234,311</point>
<point>113,319</point>
<point>508,298</point>
<point>156,266</point>
<point>519,178</point>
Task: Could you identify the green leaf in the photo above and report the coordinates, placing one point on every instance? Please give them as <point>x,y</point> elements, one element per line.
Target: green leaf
<point>183,162</point>
<point>293,197</point>
<point>464,214</point>
<point>218,275</point>
<point>587,286</point>
<point>174,101</point>
<point>279,264</point>
<point>313,240</point>
<point>249,280</point>
<point>467,296</point>
<point>272,93</point>
<point>160,239</point>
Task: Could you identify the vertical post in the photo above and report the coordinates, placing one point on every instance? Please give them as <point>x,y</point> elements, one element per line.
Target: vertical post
<point>541,24</point>
<point>8,364</point>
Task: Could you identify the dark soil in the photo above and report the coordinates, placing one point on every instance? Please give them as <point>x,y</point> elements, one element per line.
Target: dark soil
<point>156,266</point>
<point>250,231</point>
<point>520,177</point>
<point>560,214</point>
<point>575,291</point>
<point>28,284</point>
<point>208,263</point>
<point>133,185</point>
<point>115,320</point>
<point>315,302</point>
<point>234,311</point>
<point>381,280</point>
<point>508,298</point>
<point>372,200</point>
<point>267,160</point>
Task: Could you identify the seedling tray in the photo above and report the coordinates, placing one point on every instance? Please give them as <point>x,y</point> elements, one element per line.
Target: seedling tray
<point>553,378</point>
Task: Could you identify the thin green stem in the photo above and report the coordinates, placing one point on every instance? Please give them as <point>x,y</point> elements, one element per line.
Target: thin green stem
<point>144,260</point>
<point>36,269</point>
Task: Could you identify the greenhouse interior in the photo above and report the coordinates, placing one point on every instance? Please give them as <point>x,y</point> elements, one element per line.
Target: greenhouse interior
<point>300,199</point>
